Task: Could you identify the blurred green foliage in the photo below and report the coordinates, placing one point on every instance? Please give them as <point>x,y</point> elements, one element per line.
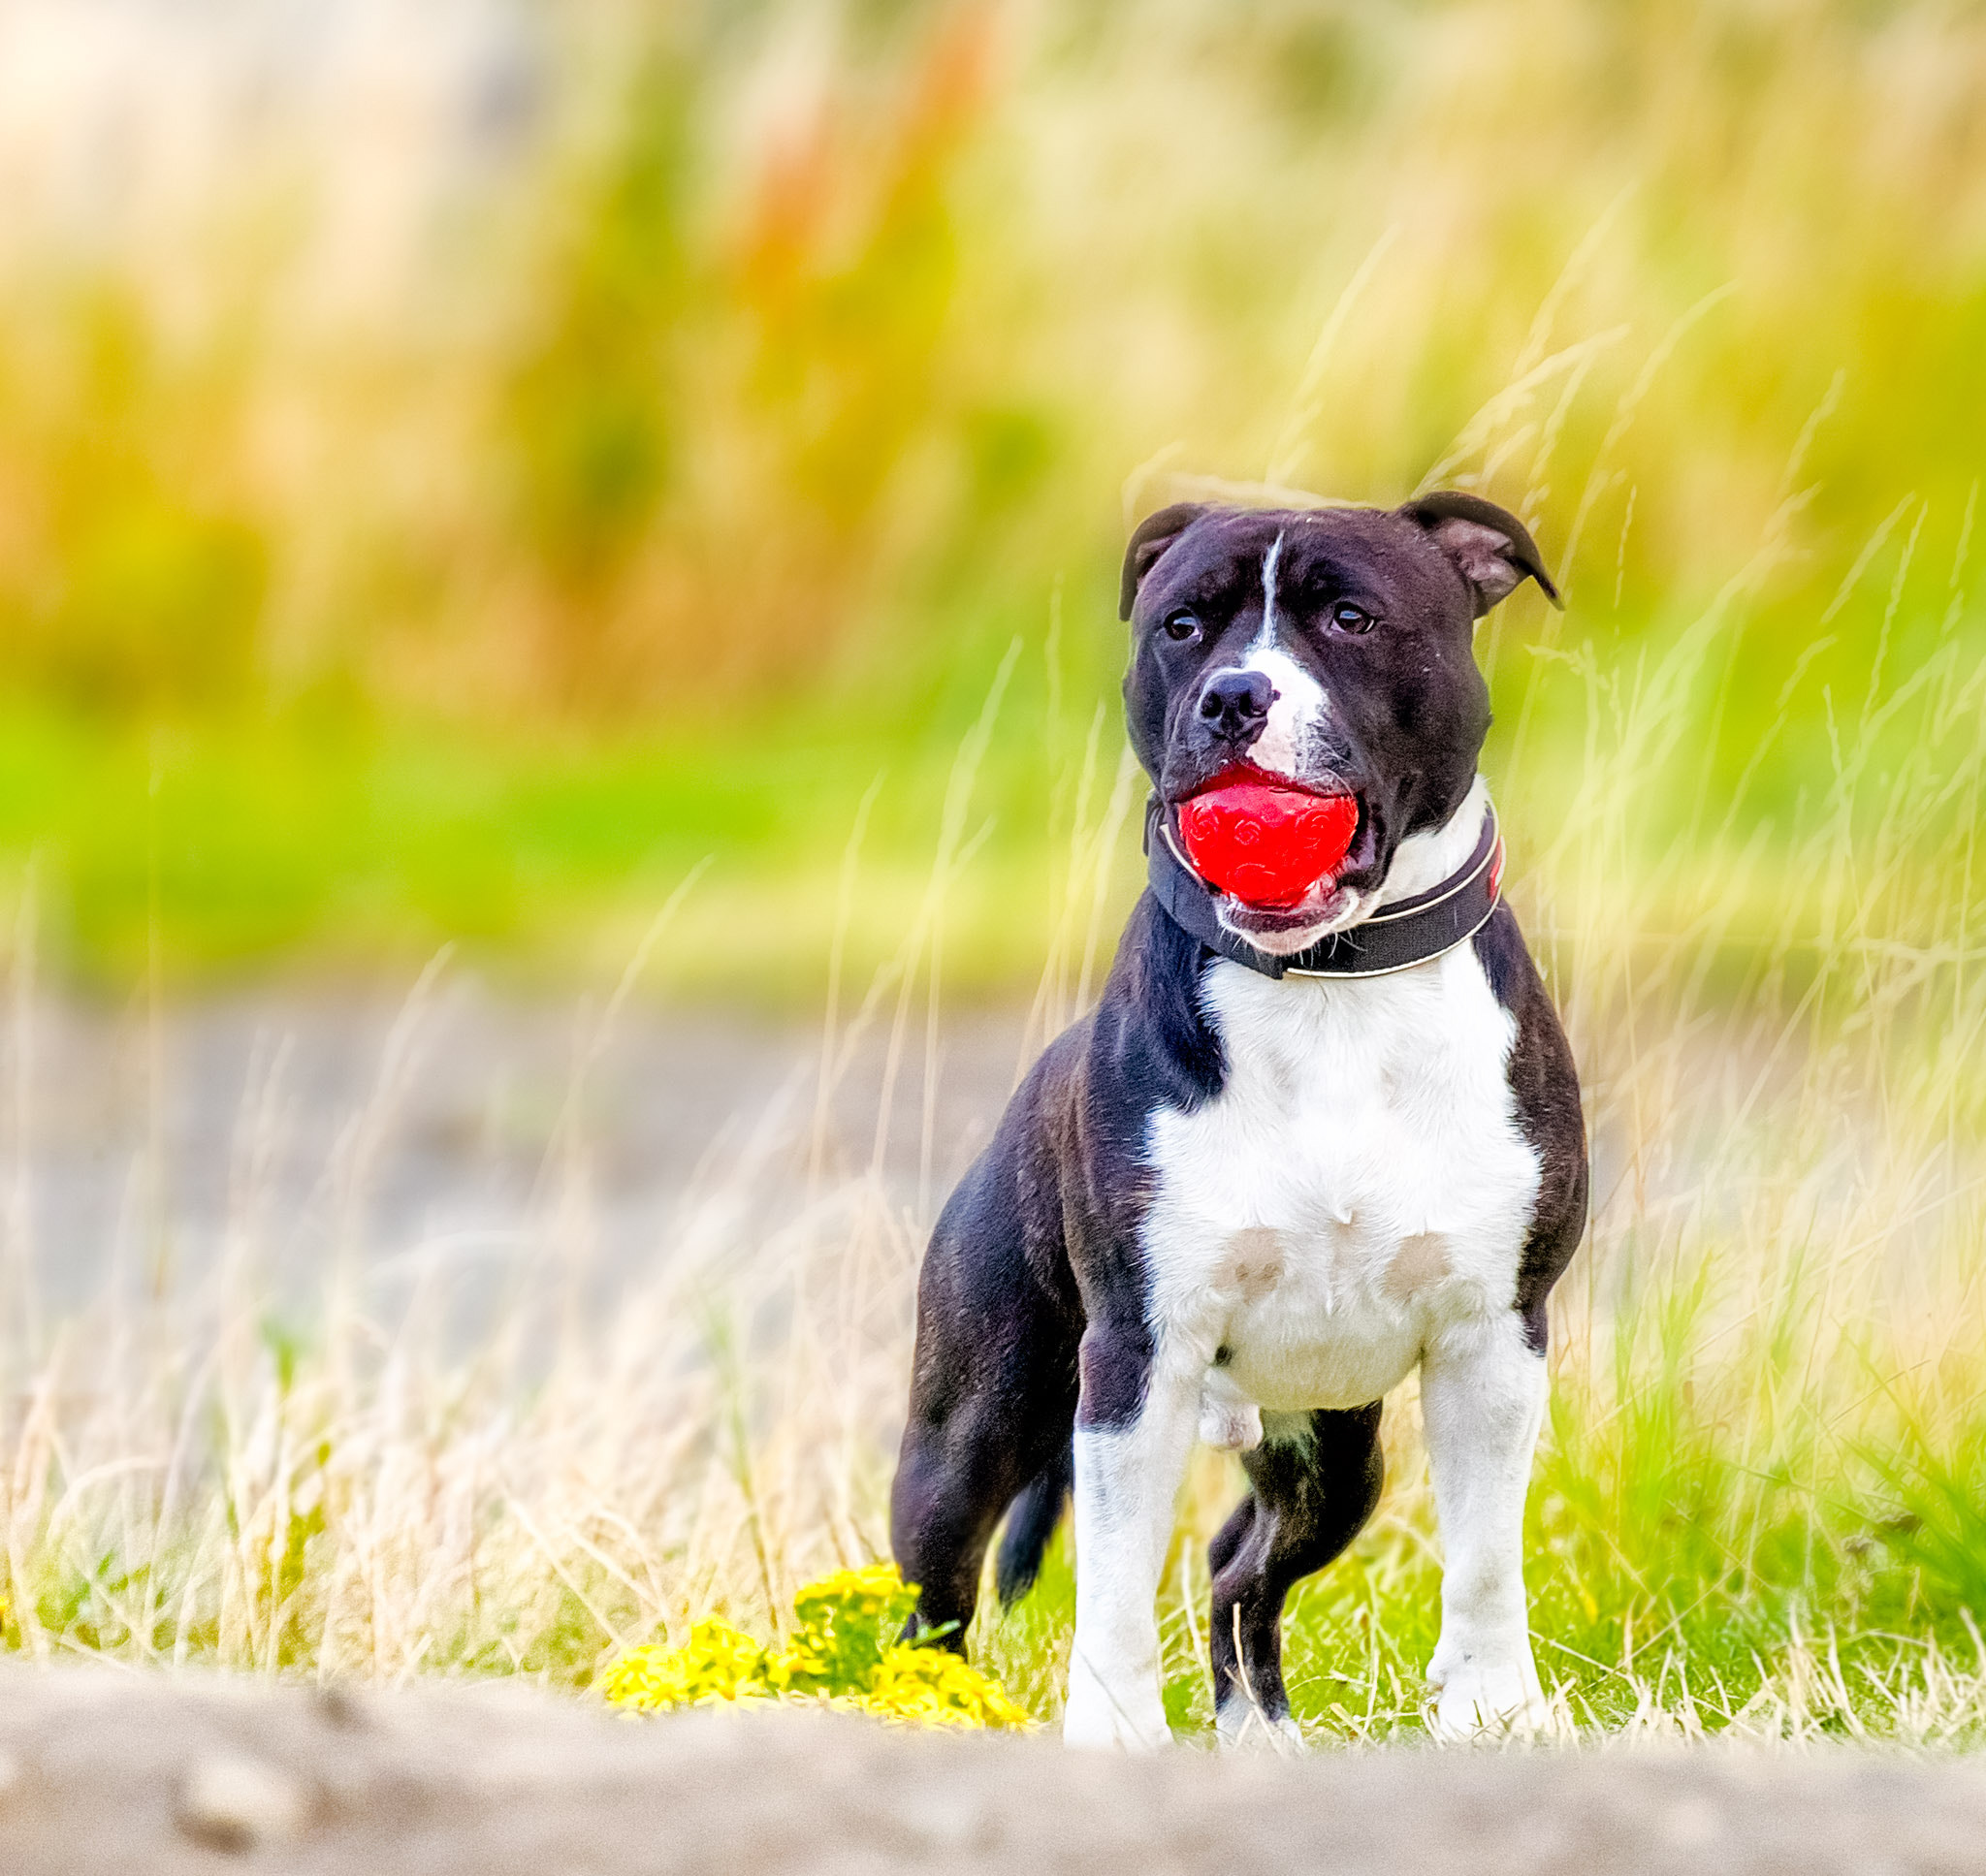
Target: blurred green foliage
<point>700,460</point>
<point>592,402</point>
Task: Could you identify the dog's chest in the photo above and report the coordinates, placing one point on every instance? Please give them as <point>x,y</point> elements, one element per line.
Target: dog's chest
<point>1359,1181</point>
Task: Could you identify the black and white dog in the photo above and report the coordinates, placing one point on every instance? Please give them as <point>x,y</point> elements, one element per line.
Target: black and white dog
<point>1289,1155</point>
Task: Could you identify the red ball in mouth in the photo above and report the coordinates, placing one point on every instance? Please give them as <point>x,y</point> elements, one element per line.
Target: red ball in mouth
<point>1267,846</point>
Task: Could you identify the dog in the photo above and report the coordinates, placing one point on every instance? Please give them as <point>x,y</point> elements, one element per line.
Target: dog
<point>1293,1153</point>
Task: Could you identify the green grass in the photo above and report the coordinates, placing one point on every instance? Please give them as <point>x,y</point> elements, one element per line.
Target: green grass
<point>324,837</point>
<point>355,849</point>
<point>701,473</point>
<point>1755,1508</point>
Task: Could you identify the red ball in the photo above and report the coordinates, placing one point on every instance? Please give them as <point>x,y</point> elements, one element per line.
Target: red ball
<point>1266,845</point>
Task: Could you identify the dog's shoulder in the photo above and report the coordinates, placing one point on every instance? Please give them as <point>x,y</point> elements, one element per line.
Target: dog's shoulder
<point>1153,1044</point>
<point>1544,1085</point>
<point>1070,1154</point>
<point>1542,1073</point>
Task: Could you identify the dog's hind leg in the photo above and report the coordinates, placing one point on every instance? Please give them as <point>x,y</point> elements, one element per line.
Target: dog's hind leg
<point>965,1459</point>
<point>957,1471</point>
<point>993,1392</point>
<point>1315,1478</point>
<point>1031,1521</point>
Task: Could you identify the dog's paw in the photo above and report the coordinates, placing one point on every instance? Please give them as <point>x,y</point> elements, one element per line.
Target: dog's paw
<point>1107,1718</point>
<point>1243,1726</point>
<point>1483,1701</point>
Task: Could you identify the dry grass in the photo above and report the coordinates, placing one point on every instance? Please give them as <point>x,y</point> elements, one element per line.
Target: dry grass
<point>1759,1505</point>
<point>1742,843</point>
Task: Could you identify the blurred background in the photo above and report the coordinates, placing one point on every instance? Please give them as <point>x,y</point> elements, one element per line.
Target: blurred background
<point>466,463</point>
<point>559,751</point>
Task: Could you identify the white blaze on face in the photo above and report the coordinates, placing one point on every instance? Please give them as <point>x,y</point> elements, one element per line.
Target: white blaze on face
<point>1298,707</point>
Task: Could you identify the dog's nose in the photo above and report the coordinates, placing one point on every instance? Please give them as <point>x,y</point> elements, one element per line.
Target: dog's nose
<point>1236,701</point>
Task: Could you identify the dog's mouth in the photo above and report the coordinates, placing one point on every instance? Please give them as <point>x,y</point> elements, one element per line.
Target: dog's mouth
<point>1323,787</point>
<point>1277,852</point>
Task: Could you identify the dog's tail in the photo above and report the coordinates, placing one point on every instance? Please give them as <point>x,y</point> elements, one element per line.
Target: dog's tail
<point>1031,1521</point>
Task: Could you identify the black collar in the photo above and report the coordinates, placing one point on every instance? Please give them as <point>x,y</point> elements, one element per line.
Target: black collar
<point>1408,931</point>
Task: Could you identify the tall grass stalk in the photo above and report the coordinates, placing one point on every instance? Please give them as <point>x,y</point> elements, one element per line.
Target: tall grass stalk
<point>1741,838</point>
<point>1756,1507</point>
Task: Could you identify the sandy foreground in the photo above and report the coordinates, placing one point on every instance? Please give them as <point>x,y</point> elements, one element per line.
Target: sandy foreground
<point>109,1771</point>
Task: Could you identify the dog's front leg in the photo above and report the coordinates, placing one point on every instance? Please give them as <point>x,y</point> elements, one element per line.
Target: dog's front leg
<point>1481,1401</point>
<point>1134,1430</point>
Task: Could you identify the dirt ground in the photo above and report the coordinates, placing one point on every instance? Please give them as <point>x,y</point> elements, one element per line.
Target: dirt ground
<point>105,1772</point>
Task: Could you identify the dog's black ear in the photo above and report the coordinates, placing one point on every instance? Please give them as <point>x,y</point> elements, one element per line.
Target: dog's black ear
<point>1151,538</point>
<point>1492,549</point>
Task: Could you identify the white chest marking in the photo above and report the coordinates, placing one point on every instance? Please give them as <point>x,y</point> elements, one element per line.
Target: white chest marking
<point>1359,1185</point>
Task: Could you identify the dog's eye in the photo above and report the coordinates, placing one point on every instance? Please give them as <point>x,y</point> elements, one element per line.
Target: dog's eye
<point>1181,624</point>
<point>1348,618</point>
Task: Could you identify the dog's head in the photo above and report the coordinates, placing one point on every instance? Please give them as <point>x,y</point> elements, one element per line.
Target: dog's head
<point>1327,649</point>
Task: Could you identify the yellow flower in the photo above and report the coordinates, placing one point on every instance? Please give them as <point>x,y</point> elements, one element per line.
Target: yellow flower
<point>935,1687</point>
<point>845,1652</point>
<point>718,1662</point>
<point>874,1593</point>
